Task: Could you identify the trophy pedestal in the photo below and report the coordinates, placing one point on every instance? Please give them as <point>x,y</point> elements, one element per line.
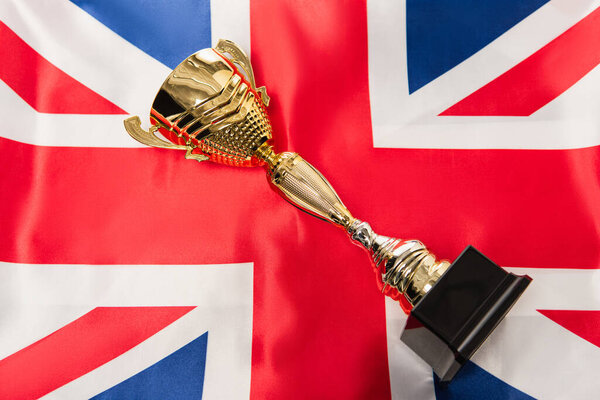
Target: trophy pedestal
<point>459,312</point>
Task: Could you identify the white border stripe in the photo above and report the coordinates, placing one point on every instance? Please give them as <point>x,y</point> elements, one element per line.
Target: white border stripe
<point>23,124</point>
<point>558,289</point>
<point>410,376</point>
<point>230,19</point>
<point>541,358</point>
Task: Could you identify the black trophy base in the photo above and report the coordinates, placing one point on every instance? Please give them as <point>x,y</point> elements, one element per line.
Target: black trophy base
<point>455,317</point>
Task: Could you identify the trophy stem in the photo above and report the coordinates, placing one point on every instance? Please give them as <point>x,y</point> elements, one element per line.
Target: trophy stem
<point>404,264</point>
<point>303,186</point>
<point>265,152</point>
<point>453,307</point>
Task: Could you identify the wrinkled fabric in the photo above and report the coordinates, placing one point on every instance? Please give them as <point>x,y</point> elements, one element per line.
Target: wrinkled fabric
<point>320,326</point>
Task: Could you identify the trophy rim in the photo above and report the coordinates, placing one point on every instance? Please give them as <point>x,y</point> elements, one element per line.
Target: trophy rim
<point>240,66</point>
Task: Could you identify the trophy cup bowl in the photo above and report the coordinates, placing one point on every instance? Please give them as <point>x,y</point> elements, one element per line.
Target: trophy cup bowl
<point>209,107</point>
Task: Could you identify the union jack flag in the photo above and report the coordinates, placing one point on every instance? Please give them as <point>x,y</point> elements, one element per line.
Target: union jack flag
<point>130,272</point>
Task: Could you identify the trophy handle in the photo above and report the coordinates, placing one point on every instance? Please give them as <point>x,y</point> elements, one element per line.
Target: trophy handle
<point>241,59</point>
<point>133,126</point>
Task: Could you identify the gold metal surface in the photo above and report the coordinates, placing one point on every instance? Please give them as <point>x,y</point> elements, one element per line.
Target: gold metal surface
<point>210,107</point>
<point>134,128</point>
<point>406,265</point>
<point>304,186</point>
<point>133,125</point>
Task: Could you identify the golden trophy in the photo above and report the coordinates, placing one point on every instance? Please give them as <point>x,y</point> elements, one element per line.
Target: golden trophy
<point>210,107</point>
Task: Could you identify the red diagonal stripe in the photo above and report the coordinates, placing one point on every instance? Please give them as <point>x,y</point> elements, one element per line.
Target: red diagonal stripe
<point>583,323</point>
<point>79,347</point>
<point>540,78</point>
<point>42,85</point>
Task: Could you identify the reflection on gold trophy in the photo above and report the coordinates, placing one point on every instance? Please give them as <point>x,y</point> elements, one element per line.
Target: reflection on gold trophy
<point>210,107</point>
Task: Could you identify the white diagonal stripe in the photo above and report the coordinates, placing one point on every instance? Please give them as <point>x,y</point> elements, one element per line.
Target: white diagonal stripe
<point>87,50</point>
<point>65,292</point>
<point>541,358</point>
<point>411,121</point>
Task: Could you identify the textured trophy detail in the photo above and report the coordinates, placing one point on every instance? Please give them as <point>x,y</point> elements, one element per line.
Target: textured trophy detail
<point>210,107</point>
